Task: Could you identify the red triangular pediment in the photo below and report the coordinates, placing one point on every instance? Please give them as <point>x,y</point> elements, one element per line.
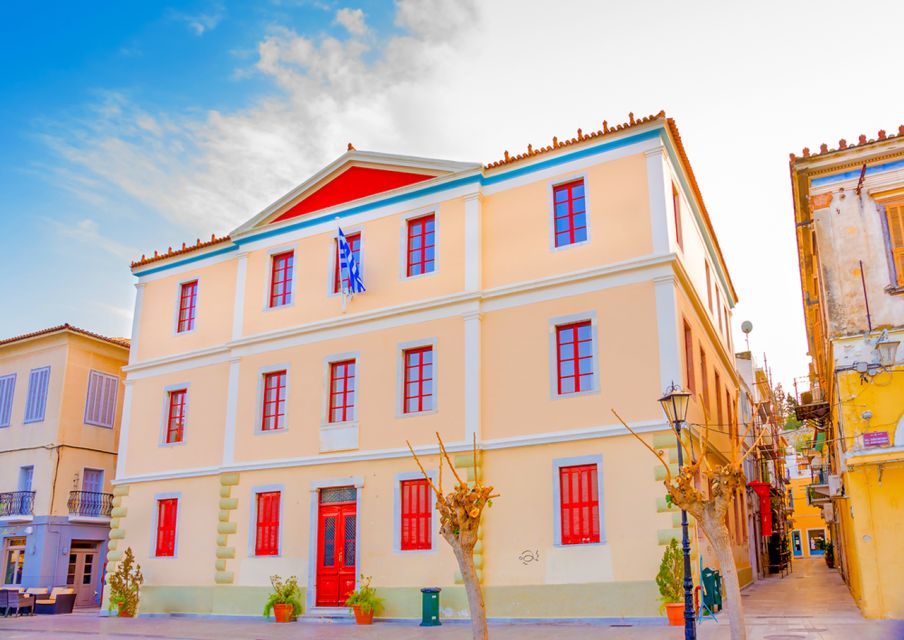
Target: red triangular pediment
<point>353,183</point>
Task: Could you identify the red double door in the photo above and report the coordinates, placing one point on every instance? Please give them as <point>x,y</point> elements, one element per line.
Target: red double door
<point>337,526</point>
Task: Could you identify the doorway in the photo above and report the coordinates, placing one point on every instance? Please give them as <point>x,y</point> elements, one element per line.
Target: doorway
<point>82,573</point>
<point>796,546</point>
<point>816,540</point>
<point>336,546</point>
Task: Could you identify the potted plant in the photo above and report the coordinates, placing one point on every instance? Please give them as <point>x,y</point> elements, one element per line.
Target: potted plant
<point>669,581</point>
<point>125,583</point>
<point>830,555</point>
<point>364,601</point>
<point>285,601</point>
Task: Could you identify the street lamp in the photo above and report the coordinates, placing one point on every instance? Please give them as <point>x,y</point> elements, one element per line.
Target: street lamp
<point>674,403</point>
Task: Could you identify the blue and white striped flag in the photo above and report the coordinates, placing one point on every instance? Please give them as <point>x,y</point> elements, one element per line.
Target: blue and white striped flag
<point>349,275</point>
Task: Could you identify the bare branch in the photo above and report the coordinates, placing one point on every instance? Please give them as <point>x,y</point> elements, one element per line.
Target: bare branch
<point>668,471</point>
<point>754,446</point>
<point>438,492</point>
<point>442,449</point>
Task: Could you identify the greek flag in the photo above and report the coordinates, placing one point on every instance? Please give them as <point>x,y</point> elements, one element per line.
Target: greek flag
<point>349,275</point>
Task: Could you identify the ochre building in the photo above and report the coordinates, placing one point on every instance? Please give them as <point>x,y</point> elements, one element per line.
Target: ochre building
<point>514,303</point>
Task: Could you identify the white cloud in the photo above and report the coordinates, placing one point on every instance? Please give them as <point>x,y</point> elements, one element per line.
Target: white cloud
<point>200,23</point>
<point>352,20</point>
<point>88,232</point>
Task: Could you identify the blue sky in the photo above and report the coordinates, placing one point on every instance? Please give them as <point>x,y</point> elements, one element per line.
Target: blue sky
<point>127,127</point>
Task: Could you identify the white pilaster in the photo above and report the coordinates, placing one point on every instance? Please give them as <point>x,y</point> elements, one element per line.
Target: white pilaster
<point>136,321</point>
<point>472,376</point>
<point>232,401</point>
<point>658,188</point>
<point>473,233</point>
<point>124,428</point>
<point>238,308</point>
<point>667,328</point>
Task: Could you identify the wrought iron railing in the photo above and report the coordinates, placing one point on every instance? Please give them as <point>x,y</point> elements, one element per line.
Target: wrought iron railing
<point>90,504</point>
<point>17,503</point>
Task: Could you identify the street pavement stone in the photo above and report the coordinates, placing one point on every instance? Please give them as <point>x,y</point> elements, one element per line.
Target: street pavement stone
<point>812,603</point>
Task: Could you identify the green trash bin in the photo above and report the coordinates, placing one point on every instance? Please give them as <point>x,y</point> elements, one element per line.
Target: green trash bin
<point>430,607</point>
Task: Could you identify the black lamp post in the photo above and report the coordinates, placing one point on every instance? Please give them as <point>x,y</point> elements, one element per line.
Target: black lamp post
<point>674,403</point>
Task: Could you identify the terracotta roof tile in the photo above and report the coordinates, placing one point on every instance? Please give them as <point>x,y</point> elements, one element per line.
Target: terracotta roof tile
<point>120,342</point>
<point>186,248</point>
<point>843,144</point>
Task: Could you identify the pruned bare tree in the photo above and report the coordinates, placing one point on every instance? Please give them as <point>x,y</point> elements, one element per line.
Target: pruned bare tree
<point>460,511</point>
<point>710,507</point>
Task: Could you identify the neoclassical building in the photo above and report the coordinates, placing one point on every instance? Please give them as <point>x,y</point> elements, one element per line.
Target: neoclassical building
<point>515,303</point>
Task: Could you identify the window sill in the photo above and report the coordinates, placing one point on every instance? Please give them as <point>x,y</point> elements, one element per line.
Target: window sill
<point>338,436</point>
<point>894,291</point>
<point>262,432</point>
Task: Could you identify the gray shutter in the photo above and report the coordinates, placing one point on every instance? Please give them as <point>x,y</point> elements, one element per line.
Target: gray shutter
<point>7,386</point>
<point>111,390</point>
<point>91,398</point>
<point>36,402</point>
<point>100,404</point>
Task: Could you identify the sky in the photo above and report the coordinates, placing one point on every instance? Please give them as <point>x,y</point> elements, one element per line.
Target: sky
<point>127,127</point>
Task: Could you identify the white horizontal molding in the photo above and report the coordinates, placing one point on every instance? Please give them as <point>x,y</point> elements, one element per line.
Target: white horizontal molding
<point>550,437</point>
<point>457,304</point>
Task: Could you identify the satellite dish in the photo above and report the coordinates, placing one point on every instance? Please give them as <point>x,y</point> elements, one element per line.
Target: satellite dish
<point>747,326</point>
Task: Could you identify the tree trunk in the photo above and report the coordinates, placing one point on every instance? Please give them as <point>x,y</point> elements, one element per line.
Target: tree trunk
<point>465,557</point>
<point>717,533</point>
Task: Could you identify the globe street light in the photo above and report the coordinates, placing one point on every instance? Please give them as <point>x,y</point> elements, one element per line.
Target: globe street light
<point>674,403</point>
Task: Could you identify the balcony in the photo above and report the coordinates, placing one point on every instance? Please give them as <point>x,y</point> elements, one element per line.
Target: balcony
<point>17,506</point>
<point>89,506</point>
<point>818,489</point>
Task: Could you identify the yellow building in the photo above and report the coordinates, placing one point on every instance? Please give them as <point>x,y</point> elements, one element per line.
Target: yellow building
<point>516,303</point>
<point>809,531</point>
<point>60,408</point>
<point>849,210</point>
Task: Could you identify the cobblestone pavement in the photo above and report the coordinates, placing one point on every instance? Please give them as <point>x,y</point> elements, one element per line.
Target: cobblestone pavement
<point>811,604</point>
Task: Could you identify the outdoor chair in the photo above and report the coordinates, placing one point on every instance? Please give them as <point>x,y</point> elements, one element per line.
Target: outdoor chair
<point>712,589</point>
<point>26,602</point>
<point>9,599</point>
<point>61,600</point>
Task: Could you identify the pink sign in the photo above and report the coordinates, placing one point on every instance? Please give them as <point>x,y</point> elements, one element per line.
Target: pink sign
<point>876,439</point>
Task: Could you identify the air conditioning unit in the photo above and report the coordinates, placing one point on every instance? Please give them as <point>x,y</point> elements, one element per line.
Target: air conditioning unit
<point>828,512</point>
<point>834,485</point>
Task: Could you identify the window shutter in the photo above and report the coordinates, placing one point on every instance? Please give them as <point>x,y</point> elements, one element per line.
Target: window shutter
<point>7,386</point>
<point>36,401</point>
<point>895,214</point>
<point>579,500</point>
<point>416,515</point>
<point>267,538</point>
<point>166,527</point>
<point>100,405</point>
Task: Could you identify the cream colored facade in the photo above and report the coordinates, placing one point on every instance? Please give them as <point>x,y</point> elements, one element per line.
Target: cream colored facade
<point>490,311</point>
<point>60,408</point>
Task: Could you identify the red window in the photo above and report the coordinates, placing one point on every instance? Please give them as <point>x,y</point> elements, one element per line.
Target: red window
<point>166,527</point>
<point>175,424</point>
<point>421,245</point>
<point>718,399</point>
<point>342,391</point>
<point>574,351</point>
<point>580,504</point>
<point>354,243</point>
<point>704,379</point>
<point>689,357</point>
<point>416,515</point>
<point>676,206</point>
<point>570,213</point>
<point>267,538</point>
<point>418,394</point>
<point>719,312</point>
<point>709,288</point>
<point>274,410</point>
<point>281,279</point>
<point>188,299</point>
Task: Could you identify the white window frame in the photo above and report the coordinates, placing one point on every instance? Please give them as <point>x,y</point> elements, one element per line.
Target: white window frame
<point>164,414</point>
<point>259,410</point>
<point>397,515</point>
<point>156,514</point>
<point>400,377</point>
<point>328,362</point>
<point>334,247</point>
<point>403,261</point>
<point>554,324</point>
<point>275,251</point>
<point>557,464</point>
<point>551,198</point>
<point>179,285</point>
<point>252,519</point>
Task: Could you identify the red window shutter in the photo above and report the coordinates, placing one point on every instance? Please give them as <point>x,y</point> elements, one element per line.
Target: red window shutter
<point>689,357</point>
<point>281,274</point>
<point>166,527</point>
<point>417,514</point>
<point>267,539</point>
<point>421,245</point>
<point>579,503</point>
<point>354,243</point>
<point>342,391</point>
<point>574,354</point>
<point>570,213</point>
<point>188,299</point>
<point>417,396</point>
<point>274,403</point>
<point>176,416</point>
<point>718,399</point>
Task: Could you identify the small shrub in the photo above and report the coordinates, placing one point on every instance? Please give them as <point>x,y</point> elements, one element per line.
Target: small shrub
<point>125,584</point>
<point>284,592</point>
<point>365,596</point>
<point>671,574</point>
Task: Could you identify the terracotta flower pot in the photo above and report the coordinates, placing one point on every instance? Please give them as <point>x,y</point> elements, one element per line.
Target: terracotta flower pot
<point>675,613</point>
<point>124,612</point>
<point>361,617</point>
<point>283,612</point>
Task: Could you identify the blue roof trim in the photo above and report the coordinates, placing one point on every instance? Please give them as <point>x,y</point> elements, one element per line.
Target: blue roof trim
<point>308,222</point>
<point>847,175</point>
